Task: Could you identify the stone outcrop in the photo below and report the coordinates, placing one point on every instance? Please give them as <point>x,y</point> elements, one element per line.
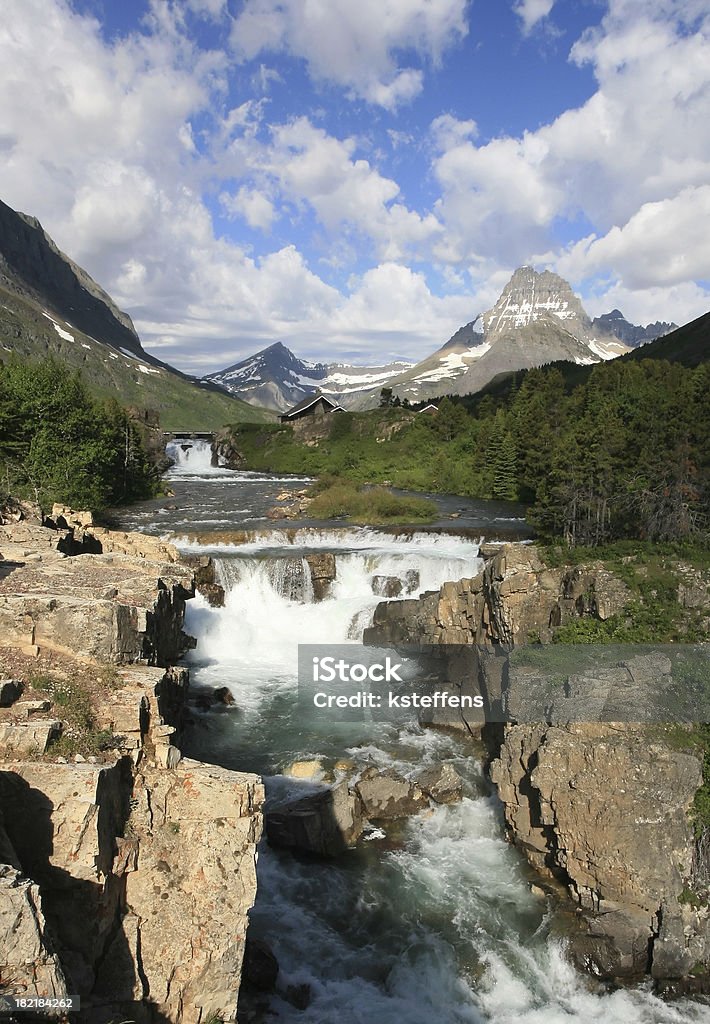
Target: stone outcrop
<point>112,608</point>
<point>325,822</point>
<point>603,809</point>
<point>206,582</point>
<point>28,739</point>
<point>145,881</point>
<point>386,796</point>
<point>515,599</point>
<point>127,880</point>
<point>393,586</point>
<point>442,783</point>
<point>26,947</point>
<point>225,453</point>
<point>323,571</point>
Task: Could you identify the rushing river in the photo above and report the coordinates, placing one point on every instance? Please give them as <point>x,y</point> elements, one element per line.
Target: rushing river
<point>432,921</point>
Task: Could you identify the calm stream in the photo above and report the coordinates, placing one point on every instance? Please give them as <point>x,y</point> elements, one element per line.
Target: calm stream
<point>431,922</point>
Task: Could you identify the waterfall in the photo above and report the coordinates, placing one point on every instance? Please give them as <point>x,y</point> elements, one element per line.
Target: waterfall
<point>291,578</point>
<point>437,924</point>
<point>191,457</point>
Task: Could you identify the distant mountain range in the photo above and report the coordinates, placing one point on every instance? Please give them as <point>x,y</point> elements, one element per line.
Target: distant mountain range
<point>277,379</point>
<point>49,306</point>
<point>633,336</point>
<point>537,319</point>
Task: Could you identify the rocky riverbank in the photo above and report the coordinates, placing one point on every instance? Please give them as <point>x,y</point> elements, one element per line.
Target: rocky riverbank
<point>126,873</point>
<point>600,809</point>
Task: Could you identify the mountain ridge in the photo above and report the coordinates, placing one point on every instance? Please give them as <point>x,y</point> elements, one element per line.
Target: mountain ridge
<point>51,307</point>
<point>537,319</point>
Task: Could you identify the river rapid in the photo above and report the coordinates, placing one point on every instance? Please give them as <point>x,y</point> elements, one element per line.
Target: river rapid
<point>429,922</point>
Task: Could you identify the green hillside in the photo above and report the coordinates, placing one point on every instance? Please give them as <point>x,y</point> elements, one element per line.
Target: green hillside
<point>689,345</point>
<point>28,333</point>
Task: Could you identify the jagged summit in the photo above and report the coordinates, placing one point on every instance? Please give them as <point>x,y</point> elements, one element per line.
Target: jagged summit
<point>277,379</point>
<point>530,297</point>
<point>615,323</point>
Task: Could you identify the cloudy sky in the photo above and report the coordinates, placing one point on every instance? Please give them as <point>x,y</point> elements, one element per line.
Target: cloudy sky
<point>359,178</point>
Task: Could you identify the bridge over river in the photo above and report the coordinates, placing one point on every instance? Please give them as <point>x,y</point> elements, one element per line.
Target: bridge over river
<point>188,435</point>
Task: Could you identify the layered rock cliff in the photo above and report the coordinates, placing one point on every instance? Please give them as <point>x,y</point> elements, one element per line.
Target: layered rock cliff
<point>598,807</point>
<point>125,877</point>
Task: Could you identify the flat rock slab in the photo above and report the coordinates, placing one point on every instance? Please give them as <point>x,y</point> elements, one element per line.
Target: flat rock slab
<point>27,738</point>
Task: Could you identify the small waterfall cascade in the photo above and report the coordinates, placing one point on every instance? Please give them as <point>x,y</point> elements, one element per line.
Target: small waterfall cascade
<point>191,456</point>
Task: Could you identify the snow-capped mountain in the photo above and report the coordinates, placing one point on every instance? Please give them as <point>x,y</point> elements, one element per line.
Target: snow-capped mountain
<point>276,379</point>
<point>615,323</point>
<point>537,320</point>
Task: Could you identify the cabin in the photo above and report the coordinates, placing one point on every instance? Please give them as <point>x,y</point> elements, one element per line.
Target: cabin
<point>315,407</point>
<point>430,410</point>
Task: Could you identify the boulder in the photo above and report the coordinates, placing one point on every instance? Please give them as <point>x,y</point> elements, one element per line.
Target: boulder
<point>393,586</point>
<point>223,695</point>
<point>213,593</point>
<point>323,571</point>
<point>66,517</point>
<point>27,739</point>
<point>206,582</point>
<point>305,769</point>
<point>260,969</point>
<point>324,823</point>
<point>387,586</point>
<point>385,795</point>
<point>30,708</point>
<point>412,581</point>
<point>442,783</point>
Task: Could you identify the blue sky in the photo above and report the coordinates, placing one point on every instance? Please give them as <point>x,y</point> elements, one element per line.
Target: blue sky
<point>357,180</point>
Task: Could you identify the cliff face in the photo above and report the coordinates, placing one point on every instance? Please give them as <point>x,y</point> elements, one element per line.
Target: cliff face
<point>603,809</point>
<point>118,606</point>
<point>30,263</point>
<point>515,599</point>
<point>125,879</point>
<point>600,808</point>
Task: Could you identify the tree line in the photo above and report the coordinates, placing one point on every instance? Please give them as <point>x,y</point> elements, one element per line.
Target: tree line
<point>58,443</point>
<point>626,453</point>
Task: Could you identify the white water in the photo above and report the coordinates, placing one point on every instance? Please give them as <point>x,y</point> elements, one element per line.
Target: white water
<point>438,926</point>
<point>192,457</point>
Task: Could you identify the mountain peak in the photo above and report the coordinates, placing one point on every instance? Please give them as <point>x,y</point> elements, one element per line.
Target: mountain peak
<point>616,324</point>
<point>530,296</point>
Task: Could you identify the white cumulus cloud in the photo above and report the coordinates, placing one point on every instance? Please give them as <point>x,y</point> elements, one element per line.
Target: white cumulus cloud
<point>531,12</point>
<point>354,45</point>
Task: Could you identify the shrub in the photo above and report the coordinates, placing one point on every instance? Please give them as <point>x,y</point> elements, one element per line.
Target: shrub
<point>371,505</point>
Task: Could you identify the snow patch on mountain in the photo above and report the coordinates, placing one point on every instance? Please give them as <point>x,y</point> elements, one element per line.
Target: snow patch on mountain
<point>60,330</point>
